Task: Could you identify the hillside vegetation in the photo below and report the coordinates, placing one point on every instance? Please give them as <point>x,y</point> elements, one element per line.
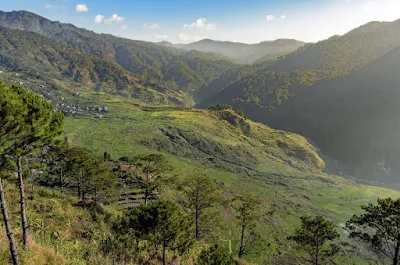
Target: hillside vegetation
<point>354,119</point>
<point>243,159</point>
<point>296,92</point>
<point>162,68</point>
<point>281,169</point>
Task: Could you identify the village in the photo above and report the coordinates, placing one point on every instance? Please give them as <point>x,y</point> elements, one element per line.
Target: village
<point>70,104</point>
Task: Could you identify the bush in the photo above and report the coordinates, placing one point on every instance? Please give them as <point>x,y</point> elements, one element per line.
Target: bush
<point>216,255</point>
<point>221,107</point>
<point>239,112</point>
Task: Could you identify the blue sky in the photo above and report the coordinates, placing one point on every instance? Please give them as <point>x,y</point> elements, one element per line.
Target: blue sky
<point>183,21</point>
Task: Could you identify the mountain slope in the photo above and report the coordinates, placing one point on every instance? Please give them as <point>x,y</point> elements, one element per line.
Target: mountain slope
<point>240,52</point>
<point>157,66</point>
<point>334,57</point>
<point>283,170</point>
<point>36,55</point>
<point>355,120</point>
<point>295,93</point>
<point>341,55</point>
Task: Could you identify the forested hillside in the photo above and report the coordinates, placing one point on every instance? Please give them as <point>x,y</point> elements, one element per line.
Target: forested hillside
<point>281,93</point>
<point>161,67</point>
<point>353,119</point>
<point>337,56</point>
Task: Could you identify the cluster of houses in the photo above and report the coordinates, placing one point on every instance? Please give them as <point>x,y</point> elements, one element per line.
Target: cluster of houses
<point>76,109</point>
<point>60,103</point>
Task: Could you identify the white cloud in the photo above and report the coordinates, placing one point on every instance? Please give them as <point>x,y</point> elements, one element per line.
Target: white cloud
<point>283,16</point>
<point>49,6</point>
<point>98,19</point>
<point>269,17</point>
<point>151,26</point>
<point>161,37</point>
<point>81,8</point>
<point>114,18</point>
<point>183,37</point>
<point>201,24</point>
<point>124,27</point>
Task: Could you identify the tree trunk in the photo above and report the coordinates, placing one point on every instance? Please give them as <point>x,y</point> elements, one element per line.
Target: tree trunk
<point>83,196</point>
<point>79,188</point>
<point>33,188</point>
<point>164,261</point>
<point>146,195</point>
<point>61,180</point>
<point>13,246</point>
<point>396,254</point>
<point>25,226</point>
<point>197,215</point>
<point>241,248</point>
<point>317,253</point>
<point>146,192</point>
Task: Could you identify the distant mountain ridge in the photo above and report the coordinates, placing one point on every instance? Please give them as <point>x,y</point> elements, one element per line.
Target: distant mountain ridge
<point>242,53</point>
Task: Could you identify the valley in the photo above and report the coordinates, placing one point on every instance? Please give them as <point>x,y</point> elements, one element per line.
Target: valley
<point>302,129</point>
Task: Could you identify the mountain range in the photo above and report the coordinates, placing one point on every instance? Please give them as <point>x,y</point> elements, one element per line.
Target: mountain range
<point>242,53</point>
<point>339,92</point>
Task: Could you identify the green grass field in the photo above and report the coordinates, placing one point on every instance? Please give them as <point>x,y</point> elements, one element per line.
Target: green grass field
<point>282,169</point>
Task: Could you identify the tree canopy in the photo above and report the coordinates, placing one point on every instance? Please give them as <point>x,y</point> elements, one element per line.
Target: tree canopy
<point>379,228</point>
<point>314,237</point>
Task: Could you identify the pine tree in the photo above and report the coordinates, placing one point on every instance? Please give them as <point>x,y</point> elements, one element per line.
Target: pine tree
<point>379,228</point>
<point>29,123</point>
<point>314,236</point>
<point>90,173</point>
<point>201,199</point>
<point>155,169</point>
<point>246,213</point>
<point>161,223</point>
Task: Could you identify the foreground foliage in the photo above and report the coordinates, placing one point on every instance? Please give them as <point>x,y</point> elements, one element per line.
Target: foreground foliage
<point>379,227</point>
<point>314,237</point>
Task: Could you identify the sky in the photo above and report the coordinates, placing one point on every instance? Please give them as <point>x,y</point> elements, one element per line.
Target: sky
<point>184,21</point>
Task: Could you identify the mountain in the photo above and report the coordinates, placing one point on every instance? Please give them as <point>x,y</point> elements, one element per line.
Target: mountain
<point>240,52</point>
<point>353,119</point>
<point>337,56</point>
<point>162,68</point>
<point>275,92</point>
